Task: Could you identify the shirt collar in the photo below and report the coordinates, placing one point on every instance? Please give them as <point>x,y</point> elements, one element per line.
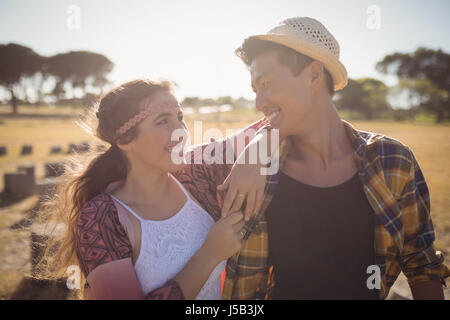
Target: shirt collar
<point>358,141</point>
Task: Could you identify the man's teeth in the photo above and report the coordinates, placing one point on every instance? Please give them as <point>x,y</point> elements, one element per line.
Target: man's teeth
<point>273,115</point>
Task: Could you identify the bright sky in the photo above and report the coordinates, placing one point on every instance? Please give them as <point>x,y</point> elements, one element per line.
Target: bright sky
<point>193,42</point>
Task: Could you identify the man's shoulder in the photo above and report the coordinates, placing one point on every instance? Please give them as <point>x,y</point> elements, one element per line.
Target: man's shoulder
<point>385,147</point>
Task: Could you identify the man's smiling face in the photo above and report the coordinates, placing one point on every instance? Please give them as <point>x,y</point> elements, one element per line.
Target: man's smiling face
<point>284,99</point>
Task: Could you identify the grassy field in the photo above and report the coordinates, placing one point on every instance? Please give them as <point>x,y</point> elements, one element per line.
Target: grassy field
<point>46,127</point>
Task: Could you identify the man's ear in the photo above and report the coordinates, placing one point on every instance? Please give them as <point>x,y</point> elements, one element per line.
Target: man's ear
<point>316,73</point>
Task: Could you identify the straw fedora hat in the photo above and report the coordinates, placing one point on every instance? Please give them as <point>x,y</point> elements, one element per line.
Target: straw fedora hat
<point>309,37</point>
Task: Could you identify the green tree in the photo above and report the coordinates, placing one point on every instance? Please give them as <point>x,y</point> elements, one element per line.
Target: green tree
<point>191,102</point>
<point>428,72</point>
<point>224,100</point>
<point>366,95</point>
<point>17,62</point>
<point>424,95</point>
<point>82,70</point>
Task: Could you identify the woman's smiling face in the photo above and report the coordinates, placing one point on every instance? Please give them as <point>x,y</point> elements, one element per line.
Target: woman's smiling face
<point>153,144</point>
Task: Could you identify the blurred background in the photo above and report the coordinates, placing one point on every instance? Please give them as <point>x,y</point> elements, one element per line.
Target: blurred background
<point>57,57</point>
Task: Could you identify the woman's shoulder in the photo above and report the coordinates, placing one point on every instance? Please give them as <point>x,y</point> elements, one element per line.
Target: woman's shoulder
<point>100,237</point>
<point>99,209</point>
<point>100,202</point>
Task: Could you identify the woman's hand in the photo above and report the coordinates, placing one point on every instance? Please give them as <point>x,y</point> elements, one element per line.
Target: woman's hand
<point>225,237</point>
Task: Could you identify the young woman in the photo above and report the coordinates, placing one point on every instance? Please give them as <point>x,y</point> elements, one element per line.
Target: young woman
<point>133,228</point>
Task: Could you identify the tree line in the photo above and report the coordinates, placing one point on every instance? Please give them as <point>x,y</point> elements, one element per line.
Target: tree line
<point>31,77</point>
<point>423,82</point>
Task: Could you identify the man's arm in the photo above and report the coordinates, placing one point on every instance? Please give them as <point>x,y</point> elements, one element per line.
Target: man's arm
<point>420,262</point>
<point>216,157</point>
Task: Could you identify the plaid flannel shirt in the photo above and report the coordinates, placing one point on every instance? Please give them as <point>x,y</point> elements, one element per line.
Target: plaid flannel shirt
<point>396,190</point>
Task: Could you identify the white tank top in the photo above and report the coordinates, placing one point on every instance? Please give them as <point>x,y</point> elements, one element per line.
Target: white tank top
<point>167,245</point>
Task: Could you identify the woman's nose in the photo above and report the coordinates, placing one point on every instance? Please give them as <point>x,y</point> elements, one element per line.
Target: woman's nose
<point>180,125</point>
<point>260,102</point>
<point>179,131</point>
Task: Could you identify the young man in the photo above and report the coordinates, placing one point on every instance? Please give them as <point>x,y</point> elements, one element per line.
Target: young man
<point>345,205</point>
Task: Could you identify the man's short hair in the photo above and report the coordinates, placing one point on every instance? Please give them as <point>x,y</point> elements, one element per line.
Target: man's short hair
<point>288,57</point>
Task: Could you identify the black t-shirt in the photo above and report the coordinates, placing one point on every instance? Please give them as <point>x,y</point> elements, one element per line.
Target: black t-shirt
<point>321,241</point>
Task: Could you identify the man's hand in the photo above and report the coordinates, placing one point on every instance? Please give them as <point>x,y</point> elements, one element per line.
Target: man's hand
<point>247,180</point>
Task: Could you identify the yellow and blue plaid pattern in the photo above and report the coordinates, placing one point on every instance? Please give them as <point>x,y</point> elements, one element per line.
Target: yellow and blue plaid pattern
<point>404,235</point>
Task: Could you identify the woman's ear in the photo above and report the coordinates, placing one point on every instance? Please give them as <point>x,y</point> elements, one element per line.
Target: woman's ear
<point>124,147</point>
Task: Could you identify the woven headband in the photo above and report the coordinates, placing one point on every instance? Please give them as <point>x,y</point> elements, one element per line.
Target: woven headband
<point>144,114</point>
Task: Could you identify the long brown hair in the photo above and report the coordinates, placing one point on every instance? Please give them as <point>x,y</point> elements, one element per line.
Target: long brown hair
<point>89,174</point>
